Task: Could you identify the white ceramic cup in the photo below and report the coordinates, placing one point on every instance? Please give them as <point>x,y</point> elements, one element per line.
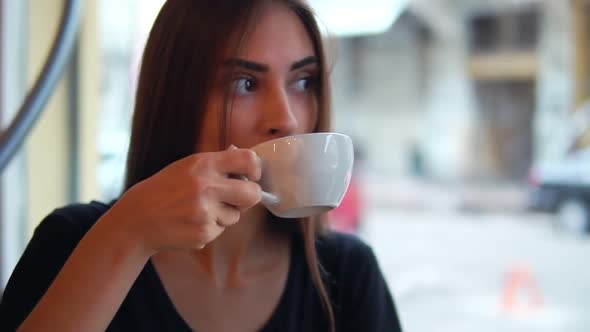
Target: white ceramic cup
<point>305,175</point>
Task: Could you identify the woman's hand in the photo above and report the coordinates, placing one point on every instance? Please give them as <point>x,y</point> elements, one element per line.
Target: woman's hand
<point>190,202</point>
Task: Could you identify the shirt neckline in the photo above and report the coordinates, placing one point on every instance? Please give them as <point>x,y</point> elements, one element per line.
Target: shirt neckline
<point>275,316</point>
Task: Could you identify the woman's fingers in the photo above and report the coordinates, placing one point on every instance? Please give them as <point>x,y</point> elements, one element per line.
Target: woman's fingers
<point>239,162</point>
<point>240,194</point>
<point>207,229</point>
<point>197,193</point>
<point>227,215</point>
<point>198,235</point>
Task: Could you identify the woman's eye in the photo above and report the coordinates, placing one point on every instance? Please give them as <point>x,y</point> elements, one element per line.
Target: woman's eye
<point>304,83</point>
<point>244,85</point>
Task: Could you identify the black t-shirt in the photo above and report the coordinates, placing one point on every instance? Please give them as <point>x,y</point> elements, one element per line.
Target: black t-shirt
<point>359,294</point>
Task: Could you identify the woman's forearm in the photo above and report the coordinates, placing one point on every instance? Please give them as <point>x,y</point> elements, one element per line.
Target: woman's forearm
<point>93,283</point>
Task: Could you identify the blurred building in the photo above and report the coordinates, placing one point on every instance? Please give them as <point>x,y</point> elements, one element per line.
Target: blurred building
<point>465,89</point>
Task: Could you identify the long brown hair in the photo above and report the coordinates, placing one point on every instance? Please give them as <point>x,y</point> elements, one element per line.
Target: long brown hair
<point>179,62</point>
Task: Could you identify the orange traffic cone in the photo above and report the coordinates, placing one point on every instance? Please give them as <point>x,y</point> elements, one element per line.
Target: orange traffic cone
<point>520,285</point>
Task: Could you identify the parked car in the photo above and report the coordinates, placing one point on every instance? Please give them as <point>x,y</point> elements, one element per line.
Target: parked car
<point>563,188</point>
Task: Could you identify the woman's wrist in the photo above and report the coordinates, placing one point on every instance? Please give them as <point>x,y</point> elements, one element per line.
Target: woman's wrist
<point>123,236</point>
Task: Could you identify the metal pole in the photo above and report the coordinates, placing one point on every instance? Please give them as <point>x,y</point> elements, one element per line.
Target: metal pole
<point>74,123</point>
<point>12,138</point>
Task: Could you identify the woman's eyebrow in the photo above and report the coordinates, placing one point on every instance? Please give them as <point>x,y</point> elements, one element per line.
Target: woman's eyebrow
<point>255,66</point>
<point>260,67</point>
<point>304,62</point>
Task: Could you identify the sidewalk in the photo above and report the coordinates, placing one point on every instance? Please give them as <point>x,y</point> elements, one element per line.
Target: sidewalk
<point>417,194</point>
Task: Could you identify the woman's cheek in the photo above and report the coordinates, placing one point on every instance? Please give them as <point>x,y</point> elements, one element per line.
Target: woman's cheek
<point>307,113</point>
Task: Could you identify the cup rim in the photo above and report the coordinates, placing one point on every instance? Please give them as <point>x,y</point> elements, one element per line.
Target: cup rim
<point>322,133</point>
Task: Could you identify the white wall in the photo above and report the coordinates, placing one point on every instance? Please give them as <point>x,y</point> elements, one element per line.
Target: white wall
<point>377,95</point>
<point>393,90</point>
<point>449,132</point>
<point>555,88</point>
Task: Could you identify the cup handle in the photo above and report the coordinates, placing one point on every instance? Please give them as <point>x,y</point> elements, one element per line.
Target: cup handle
<point>267,198</point>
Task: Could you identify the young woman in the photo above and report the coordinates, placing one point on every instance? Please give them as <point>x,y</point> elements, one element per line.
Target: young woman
<point>188,246</point>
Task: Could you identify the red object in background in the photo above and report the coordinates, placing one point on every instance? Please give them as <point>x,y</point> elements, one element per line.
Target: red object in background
<point>347,217</point>
<point>520,279</point>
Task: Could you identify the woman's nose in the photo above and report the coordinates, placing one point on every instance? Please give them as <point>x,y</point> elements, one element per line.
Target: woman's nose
<point>279,119</point>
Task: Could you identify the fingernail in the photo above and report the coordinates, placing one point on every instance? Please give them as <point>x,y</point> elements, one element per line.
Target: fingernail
<point>232,147</point>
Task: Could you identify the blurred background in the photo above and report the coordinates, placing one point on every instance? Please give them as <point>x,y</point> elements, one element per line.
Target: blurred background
<point>471,124</point>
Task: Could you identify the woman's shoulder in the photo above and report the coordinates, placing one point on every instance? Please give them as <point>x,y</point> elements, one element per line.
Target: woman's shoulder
<point>83,214</point>
<point>343,250</point>
<point>74,218</point>
<point>343,243</point>
<point>360,294</point>
<point>52,243</point>
<point>59,233</point>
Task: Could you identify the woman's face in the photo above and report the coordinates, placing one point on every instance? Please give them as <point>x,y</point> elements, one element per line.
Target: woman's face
<point>273,80</point>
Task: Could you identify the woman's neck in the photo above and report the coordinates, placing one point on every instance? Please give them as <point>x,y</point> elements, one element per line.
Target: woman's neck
<point>240,254</point>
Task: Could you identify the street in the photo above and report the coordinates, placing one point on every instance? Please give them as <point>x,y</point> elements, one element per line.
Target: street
<point>474,271</point>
